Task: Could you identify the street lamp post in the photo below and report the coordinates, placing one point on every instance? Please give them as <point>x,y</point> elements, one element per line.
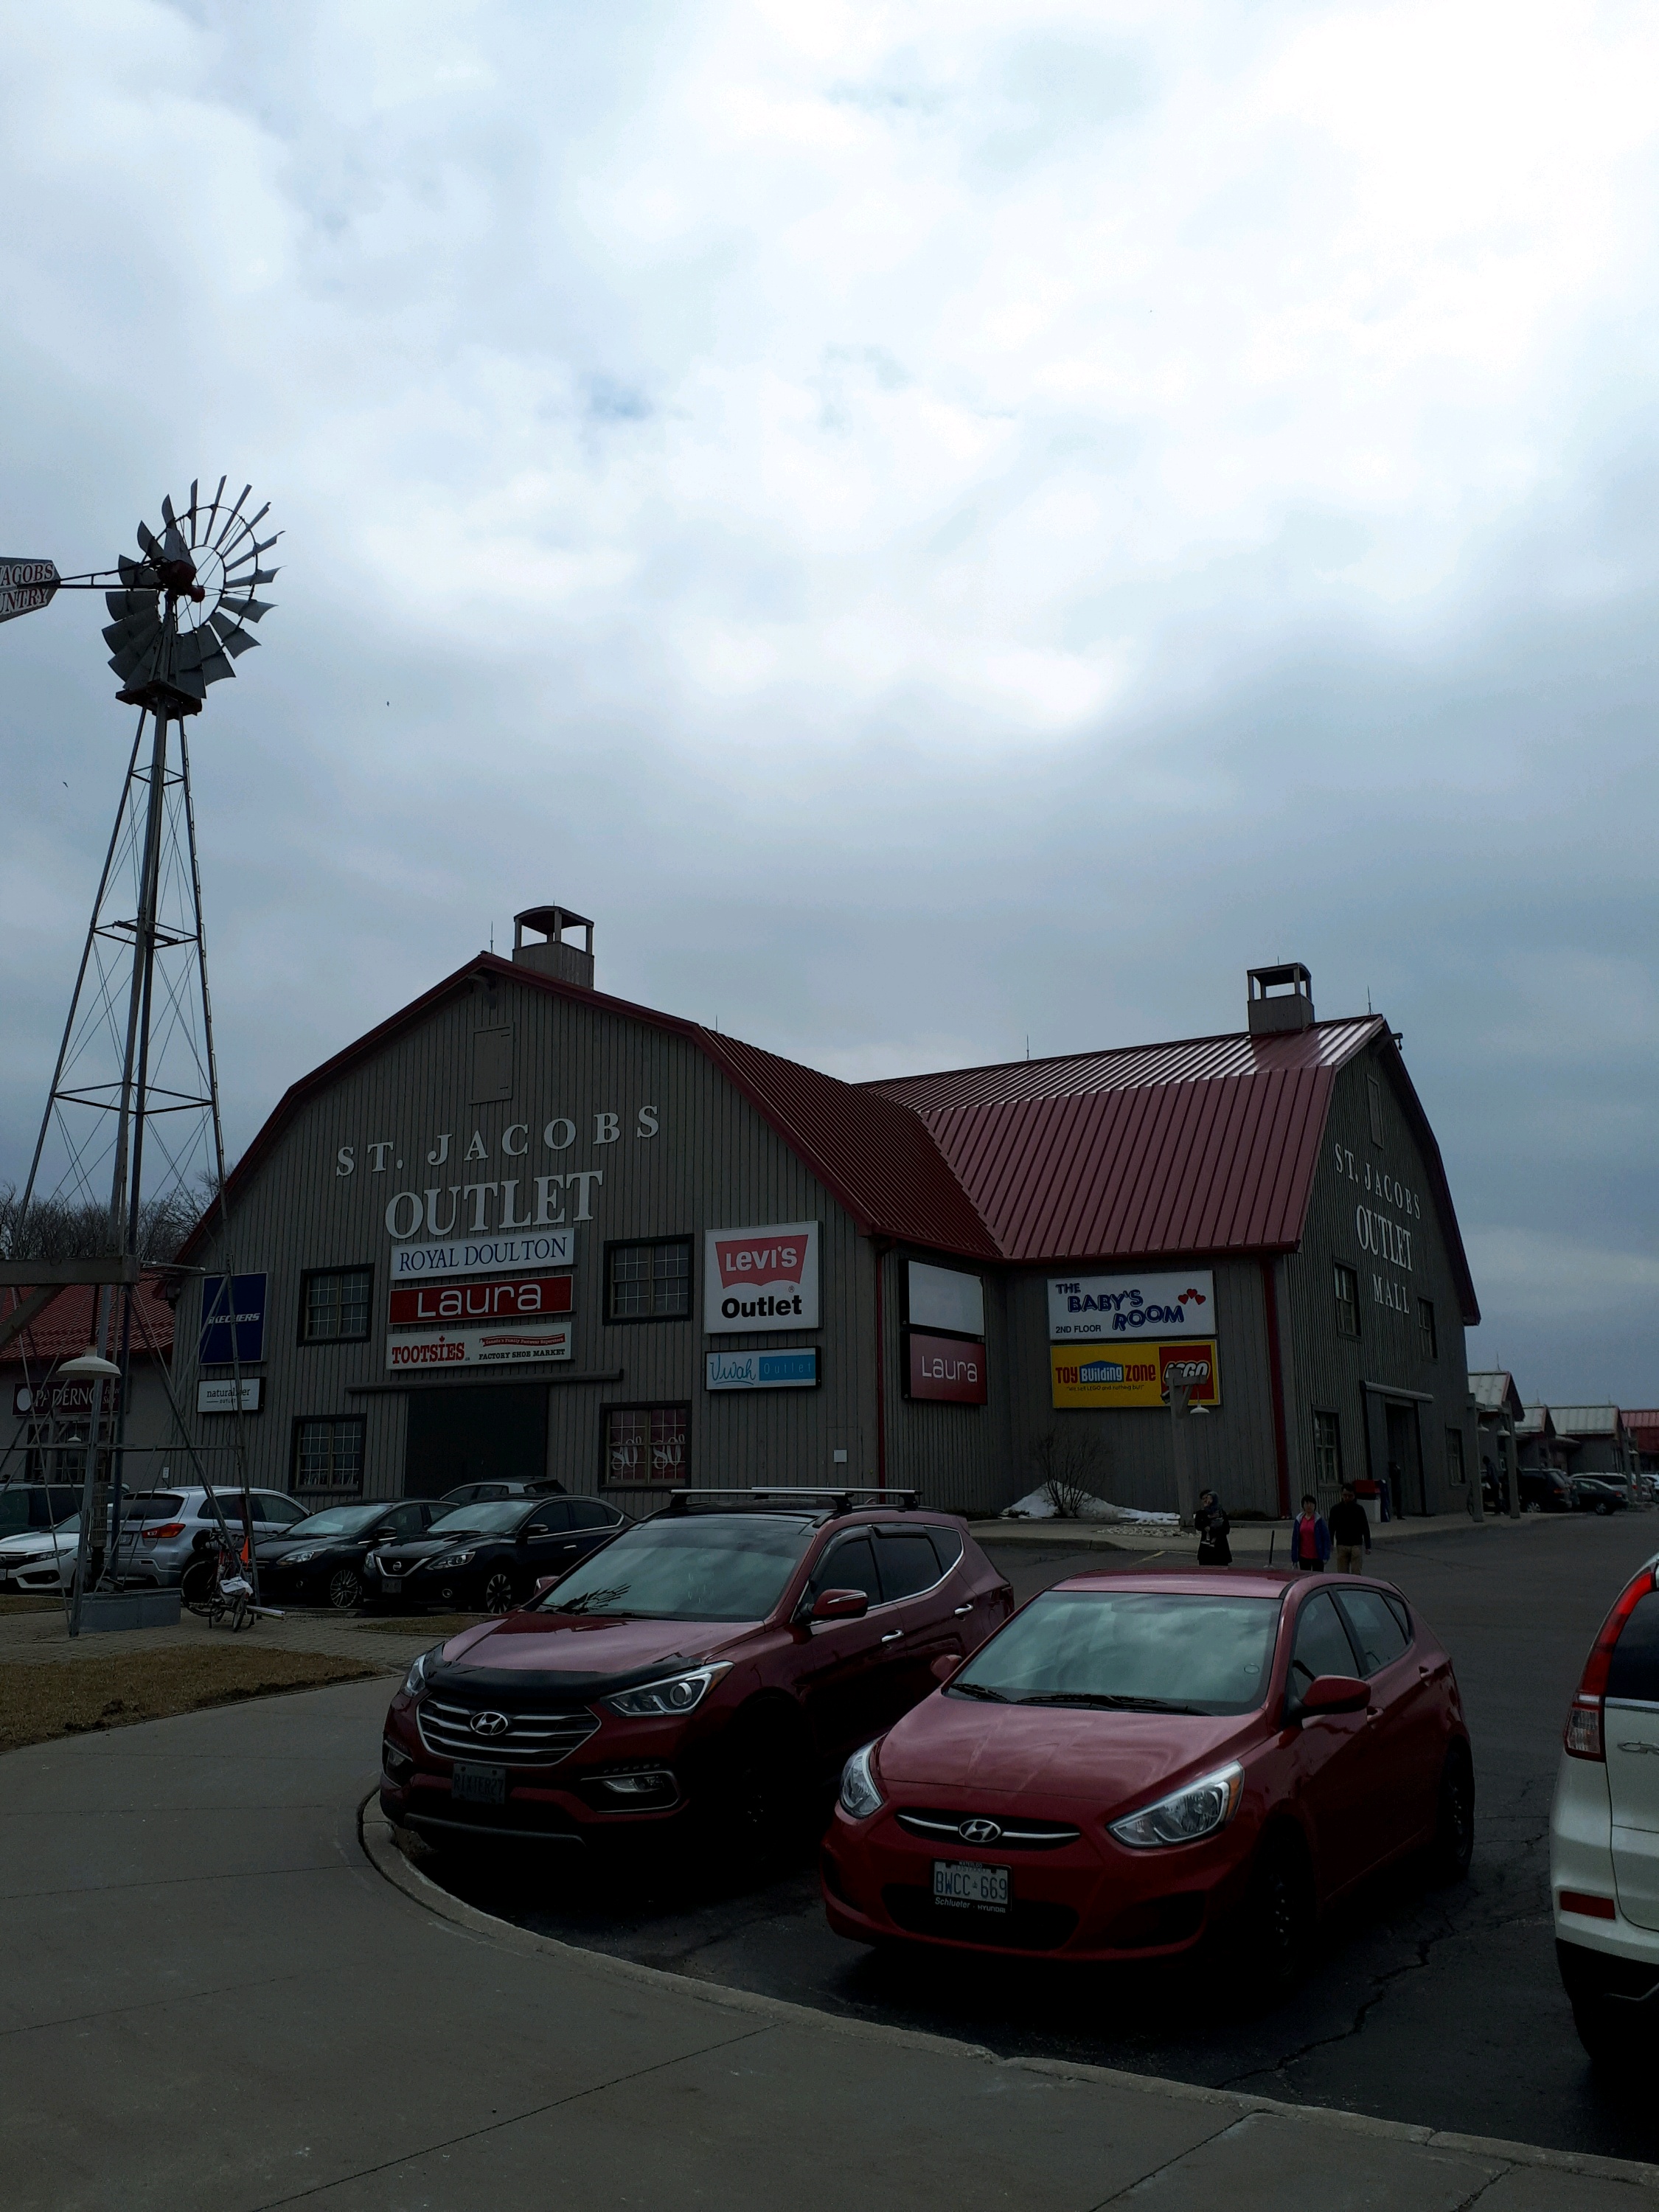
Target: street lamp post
<point>1181,1378</point>
<point>87,1368</point>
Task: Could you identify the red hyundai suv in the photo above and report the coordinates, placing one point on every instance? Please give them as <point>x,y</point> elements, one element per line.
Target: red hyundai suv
<point>710,1663</point>
<point>1139,1759</point>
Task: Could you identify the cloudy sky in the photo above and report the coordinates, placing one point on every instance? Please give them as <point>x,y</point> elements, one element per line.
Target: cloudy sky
<point>937,525</point>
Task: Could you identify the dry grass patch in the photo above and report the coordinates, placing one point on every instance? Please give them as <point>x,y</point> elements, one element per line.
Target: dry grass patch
<point>70,1697</point>
<point>28,1601</point>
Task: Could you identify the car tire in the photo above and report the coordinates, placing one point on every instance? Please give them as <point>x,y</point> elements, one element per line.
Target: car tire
<point>1280,1917</point>
<point>1606,2037</point>
<point>345,1589</point>
<point>1604,1508</point>
<point>759,1791</point>
<point>1453,1828</point>
<point>499,1594</point>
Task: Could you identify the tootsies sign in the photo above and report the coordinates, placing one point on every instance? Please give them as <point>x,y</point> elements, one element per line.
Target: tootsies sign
<point>765,1278</point>
<point>412,1305</point>
<point>946,1369</point>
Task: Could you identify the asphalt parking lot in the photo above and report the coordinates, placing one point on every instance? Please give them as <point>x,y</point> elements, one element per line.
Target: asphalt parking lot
<point>1437,2007</point>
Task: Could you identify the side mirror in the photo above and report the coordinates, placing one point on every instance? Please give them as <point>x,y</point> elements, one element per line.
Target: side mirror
<point>536,1528</point>
<point>544,1583</point>
<point>945,1665</point>
<point>1335,1693</point>
<point>839,1605</point>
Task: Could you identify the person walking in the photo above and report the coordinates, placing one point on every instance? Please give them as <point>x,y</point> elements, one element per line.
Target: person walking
<point>1213,1529</point>
<point>1350,1532</point>
<point>1310,1540</point>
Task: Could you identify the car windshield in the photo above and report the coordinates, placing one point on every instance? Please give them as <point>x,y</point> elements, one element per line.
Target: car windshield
<point>704,1567</point>
<point>498,1518</point>
<point>1157,1651</point>
<point>337,1521</point>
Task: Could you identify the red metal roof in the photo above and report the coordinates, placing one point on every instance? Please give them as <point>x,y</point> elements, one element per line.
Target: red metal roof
<point>1643,1427</point>
<point>65,1328</point>
<point>1204,1146</point>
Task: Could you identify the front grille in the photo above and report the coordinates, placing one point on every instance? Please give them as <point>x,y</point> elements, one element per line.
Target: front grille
<point>529,1739</point>
<point>1017,1835</point>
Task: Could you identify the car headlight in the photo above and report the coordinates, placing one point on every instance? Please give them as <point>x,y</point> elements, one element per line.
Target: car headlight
<point>415,1680</point>
<point>296,1559</point>
<point>675,1693</point>
<point>861,1793</point>
<point>1199,1809</point>
<point>453,1559</point>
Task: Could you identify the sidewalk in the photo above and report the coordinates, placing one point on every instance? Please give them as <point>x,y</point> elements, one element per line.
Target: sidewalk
<point>216,1997</point>
<point>1251,1540</point>
<point>29,1637</point>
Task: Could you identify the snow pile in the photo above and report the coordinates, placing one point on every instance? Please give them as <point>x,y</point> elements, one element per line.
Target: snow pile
<point>1036,1507</point>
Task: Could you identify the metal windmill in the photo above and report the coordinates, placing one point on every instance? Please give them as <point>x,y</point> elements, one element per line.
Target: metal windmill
<point>132,1119</point>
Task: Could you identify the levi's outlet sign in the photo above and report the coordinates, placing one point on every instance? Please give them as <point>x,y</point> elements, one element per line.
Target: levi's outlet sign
<point>1128,1309</point>
<point>765,1278</point>
<point>408,1305</point>
<point>1113,1376</point>
<point>507,1344</point>
<point>946,1368</point>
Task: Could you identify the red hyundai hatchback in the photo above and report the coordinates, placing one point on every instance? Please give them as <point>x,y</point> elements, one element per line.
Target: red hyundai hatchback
<point>708,1665</point>
<point>1138,1759</point>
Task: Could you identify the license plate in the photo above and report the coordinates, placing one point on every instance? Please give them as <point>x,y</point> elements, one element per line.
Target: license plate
<point>970,1887</point>
<point>480,1785</point>
<point>392,1582</point>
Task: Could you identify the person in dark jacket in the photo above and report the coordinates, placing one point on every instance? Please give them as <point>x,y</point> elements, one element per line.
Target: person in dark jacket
<point>1310,1540</point>
<point>1213,1528</point>
<point>1350,1532</point>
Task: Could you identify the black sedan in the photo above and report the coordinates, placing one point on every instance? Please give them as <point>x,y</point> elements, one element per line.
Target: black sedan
<point>319,1560</point>
<point>490,1557</point>
<point>1596,1493</point>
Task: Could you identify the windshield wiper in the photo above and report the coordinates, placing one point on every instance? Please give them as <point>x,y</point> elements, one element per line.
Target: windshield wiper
<point>978,1690</point>
<point>1110,1702</point>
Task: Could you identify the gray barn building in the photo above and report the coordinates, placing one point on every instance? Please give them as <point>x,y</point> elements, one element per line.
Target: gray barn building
<point>522,1227</point>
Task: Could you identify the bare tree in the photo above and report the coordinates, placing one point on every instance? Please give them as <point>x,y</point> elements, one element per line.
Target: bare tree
<point>63,1228</point>
<point>1070,1467</point>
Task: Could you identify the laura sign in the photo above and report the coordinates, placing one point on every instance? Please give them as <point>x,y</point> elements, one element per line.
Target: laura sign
<point>1129,1309</point>
<point>762,1370</point>
<point>1113,1376</point>
<point>944,1368</point>
<point>409,1304</point>
<point>477,1347</point>
<point>483,1255</point>
<point>765,1278</point>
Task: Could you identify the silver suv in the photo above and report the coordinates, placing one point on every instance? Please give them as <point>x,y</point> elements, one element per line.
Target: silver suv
<point>162,1529</point>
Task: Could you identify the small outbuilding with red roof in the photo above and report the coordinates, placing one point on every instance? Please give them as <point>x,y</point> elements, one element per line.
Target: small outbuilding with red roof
<point>522,1227</point>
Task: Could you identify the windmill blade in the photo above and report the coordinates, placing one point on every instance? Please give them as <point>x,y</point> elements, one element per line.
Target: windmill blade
<point>234,640</point>
<point>215,665</point>
<point>246,610</point>
<point>190,512</point>
<point>207,532</point>
<point>167,514</point>
<point>219,543</point>
<point>147,540</point>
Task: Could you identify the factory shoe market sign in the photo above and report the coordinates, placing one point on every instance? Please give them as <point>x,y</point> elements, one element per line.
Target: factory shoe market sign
<point>413,1305</point>
<point>504,1347</point>
<point>765,1278</point>
<point>1103,1309</point>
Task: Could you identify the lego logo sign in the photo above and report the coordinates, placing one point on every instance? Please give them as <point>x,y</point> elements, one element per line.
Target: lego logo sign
<point>765,1278</point>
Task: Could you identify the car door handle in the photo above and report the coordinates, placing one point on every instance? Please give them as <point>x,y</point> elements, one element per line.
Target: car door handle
<point>893,1636</point>
<point>960,1610</point>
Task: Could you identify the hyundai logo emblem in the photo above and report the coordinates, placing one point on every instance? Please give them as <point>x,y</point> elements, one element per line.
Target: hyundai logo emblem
<point>979,1832</point>
<point>489,1724</point>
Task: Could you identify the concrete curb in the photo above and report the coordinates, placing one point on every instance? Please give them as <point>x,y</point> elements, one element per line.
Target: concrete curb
<point>380,1847</point>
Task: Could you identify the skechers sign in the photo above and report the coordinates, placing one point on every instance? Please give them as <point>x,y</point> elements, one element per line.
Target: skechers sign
<point>762,1370</point>
<point>763,1277</point>
<point>1097,1309</point>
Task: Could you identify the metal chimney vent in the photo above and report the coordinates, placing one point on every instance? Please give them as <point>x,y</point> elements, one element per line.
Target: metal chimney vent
<point>1281,998</point>
<point>550,955</point>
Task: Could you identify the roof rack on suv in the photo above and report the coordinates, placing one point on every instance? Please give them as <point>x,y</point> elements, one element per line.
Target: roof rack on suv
<point>835,1500</point>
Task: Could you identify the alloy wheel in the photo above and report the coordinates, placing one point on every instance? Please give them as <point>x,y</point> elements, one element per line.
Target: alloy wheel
<point>345,1590</point>
<point>498,1593</point>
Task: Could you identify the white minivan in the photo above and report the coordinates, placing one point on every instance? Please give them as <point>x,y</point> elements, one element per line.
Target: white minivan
<point>1604,1830</point>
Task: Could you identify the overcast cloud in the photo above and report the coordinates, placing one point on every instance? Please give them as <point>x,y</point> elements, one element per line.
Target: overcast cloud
<point>937,525</point>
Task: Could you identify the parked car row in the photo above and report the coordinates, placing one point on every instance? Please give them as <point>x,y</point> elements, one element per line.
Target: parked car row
<point>1130,1766</point>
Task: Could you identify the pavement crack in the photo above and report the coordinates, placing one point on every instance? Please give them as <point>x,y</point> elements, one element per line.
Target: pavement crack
<point>1381,1985</point>
<point>1175,2159</point>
